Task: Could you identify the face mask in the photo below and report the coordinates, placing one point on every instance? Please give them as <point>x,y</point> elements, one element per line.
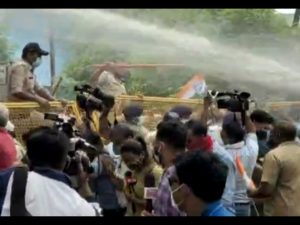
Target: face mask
<point>138,120</point>
<point>268,134</point>
<point>141,120</point>
<point>116,149</point>
<point>37,62</point>
<point>273,140</point>
<point>176,201</point>
<point>263,135</point>
<point>10,126</point>
<point>184,120</point>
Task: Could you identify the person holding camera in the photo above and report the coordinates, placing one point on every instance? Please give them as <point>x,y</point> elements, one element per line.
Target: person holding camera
<point>27,191</point>
<point>241,144</point>
<point>103,181</point>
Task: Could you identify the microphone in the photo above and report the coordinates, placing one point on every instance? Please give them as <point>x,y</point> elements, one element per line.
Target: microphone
<point>149,191</point>
<point>130,182</point>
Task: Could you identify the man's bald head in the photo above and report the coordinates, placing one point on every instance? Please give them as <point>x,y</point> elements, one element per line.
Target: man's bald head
<point>284,131</point>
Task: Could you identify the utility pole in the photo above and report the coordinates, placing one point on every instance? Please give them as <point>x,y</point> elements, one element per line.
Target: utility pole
<point>296,18</point>
<point>52,58</point>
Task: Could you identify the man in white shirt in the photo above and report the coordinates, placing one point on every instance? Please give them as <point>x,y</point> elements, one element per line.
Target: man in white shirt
<point>231,138</point>
<point>244,145</point>
<point>47,190</point>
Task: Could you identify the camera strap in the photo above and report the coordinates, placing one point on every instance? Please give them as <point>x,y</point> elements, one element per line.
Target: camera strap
<point>17,202</point>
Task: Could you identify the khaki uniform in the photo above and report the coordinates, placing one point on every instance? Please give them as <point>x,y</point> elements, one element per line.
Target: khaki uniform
<point>21,79</point>
<point>281,171</point>
<point>110,85</point>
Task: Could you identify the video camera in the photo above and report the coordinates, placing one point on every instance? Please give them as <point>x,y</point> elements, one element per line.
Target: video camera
<point>234,101</point>
<point>62,123</point>
<point>93,98</point>
<point>66,124</point>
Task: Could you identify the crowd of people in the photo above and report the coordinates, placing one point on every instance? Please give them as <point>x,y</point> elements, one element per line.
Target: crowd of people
<point>209,163</point>
<point>192,167</point>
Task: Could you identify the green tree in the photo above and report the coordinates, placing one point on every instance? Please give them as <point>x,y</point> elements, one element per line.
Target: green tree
<point>6,49</point>
<point>257,29</point>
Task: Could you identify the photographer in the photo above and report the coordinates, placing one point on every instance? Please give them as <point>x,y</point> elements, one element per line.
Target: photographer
<point>94,104</point>
<point>239,142</point>
<point>244,145</point>
<point>105,184</point>
<point>47,151</point>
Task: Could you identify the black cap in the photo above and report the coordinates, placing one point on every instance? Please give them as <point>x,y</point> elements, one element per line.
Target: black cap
<point>133,110</point>
<point>182,110</point>
<point>171,116</point>
<point>34,47</point>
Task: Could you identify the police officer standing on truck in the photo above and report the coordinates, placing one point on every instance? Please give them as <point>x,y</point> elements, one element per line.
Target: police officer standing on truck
<point>23,85</point>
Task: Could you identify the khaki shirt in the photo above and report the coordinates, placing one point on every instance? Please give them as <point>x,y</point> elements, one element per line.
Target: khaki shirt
<point>110,85</point>
<point>281,170</point>
<point>21,79</point>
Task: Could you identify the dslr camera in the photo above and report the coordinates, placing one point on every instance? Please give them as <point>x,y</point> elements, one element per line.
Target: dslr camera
<point>91,99</point>
<point>66,124</point>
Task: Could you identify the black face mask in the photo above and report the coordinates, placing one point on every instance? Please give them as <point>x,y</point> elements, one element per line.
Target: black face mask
<point>272,143</point>
<point>262,135</point>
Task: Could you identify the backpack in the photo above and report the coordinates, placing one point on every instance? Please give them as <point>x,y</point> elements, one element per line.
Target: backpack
<point>17,201</point>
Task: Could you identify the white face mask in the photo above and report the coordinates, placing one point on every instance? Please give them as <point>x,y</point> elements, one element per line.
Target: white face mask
<point>138,120</point>
<point>184,120</point>
<point>141,120</point>
<point>37,62</point>
<point>174,203</point>
<point>10,126</point>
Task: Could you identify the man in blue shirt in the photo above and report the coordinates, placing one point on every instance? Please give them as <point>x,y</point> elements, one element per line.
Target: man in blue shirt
<point>198,186</point>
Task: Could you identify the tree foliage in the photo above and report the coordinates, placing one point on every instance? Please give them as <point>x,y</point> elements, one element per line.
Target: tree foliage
<point>248,27</point>
<point>6,49</point>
